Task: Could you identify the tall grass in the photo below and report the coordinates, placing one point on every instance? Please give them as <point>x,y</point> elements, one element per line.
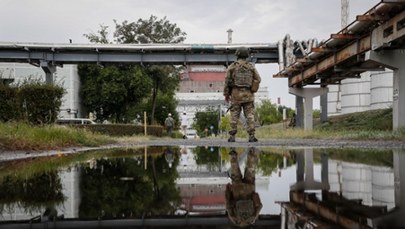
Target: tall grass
<point>22,136</point>
<point>360,134</point>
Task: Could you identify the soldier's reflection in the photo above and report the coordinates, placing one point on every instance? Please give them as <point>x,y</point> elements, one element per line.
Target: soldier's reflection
<point>243,204</point>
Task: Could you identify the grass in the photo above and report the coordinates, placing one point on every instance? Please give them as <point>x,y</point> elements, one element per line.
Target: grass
<point>369,125</point>
<point>21,136</point>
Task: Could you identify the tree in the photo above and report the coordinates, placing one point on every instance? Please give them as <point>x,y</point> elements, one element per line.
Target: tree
<point>165,78</point>
<point>110,92</point>
<point>165,104</point>
<point>206,120</point>
<point>267,113</point>
<point>153,30</point>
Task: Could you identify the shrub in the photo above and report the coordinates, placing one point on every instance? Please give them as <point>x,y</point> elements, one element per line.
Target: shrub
<point>8,106</point>
<point>40,102</point>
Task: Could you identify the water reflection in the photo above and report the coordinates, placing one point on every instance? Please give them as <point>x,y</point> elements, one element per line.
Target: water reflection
<point>186,185</point>
<point>351,195</point>
<point>122,188</point>
<point>243,203</point>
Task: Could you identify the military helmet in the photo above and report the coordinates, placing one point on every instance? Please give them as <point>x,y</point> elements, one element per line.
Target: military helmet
<point>242,52</point>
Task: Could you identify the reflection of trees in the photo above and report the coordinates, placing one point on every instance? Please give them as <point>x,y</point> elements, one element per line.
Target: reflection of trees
<point>270,161</point>
<point>208,156</point>
<point>122,188</point>
<point>363,156</point>
<point>38,191</point>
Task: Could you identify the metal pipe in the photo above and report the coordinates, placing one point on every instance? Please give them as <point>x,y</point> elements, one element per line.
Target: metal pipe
<point>135,47</point>
<point>280,55</point>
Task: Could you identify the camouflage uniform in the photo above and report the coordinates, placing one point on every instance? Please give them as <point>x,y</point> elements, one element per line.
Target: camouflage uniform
<point>243,203</point>
<point>238,82</point>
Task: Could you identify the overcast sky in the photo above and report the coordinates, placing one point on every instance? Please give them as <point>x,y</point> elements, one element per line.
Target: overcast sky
<point>253,21</point>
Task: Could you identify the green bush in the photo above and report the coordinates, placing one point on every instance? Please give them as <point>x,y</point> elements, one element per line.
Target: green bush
<point>40,102</point>
<point>8,105</point>
<point>123,129</point>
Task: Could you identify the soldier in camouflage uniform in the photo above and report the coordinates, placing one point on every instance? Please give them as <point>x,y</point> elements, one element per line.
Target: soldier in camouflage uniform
<point>241,82</point>
<point>243,203</point>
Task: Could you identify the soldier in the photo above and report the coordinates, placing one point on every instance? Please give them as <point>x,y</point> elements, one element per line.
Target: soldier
<point>243,203</point>
<point>241,82</point>
<point>169,123</point>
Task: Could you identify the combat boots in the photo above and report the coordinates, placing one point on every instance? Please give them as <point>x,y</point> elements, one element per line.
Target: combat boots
<point>231,138</point>
<point>252,138</point>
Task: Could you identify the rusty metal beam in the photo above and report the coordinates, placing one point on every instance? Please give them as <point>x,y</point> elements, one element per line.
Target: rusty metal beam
<point>344,36</point>
<point>318,208</point>
<point>322,49</point>
<point>373,17</point>
<point>352,50</point>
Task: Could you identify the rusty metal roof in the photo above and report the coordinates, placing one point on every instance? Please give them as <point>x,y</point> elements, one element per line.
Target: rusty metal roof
<point>343,54</point>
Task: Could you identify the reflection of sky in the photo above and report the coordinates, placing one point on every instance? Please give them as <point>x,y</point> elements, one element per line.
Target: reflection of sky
<point>278,189</point>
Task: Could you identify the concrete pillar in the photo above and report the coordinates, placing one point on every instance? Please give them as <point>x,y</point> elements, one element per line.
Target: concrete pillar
<point>299,109</point>
<point>394,59</point>
<point>49,70</point>
<point>308,94</point>
<point>394,218</point>
<point>307,183</point>
<point>324,107</point>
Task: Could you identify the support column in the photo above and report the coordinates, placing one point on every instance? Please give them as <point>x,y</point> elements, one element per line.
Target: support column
<point>299,107</point>
<point>394,218</point>
<point>308,94</point>
<point>49,70</point>
<point>324,107</point>
<point>305,165</point>
<point>393,59</point>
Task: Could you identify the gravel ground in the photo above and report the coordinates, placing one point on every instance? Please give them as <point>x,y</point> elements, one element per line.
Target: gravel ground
<point>278,143</point>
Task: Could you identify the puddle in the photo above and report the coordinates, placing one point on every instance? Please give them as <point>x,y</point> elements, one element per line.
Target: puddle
<point>158,185</point>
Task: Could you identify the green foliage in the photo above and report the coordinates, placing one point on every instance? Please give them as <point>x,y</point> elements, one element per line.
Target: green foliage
<point>374,157</point>
<point>165,104</point>
<point>40,101</point>
<point>208,156</point>
<point>316,113</point>
<point>106,194</point>
<point>34,101</point>
<point>268,113</point>
<point>151,30</point>
<point>109,92</point>
<point>225,123</point>
<point>22,136</point>
<point>206,120</point>
<point>9,103</point>
<point>162,79</point>
<point>38,191</point>
<point>368,120</point>
<point>272,159</point>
